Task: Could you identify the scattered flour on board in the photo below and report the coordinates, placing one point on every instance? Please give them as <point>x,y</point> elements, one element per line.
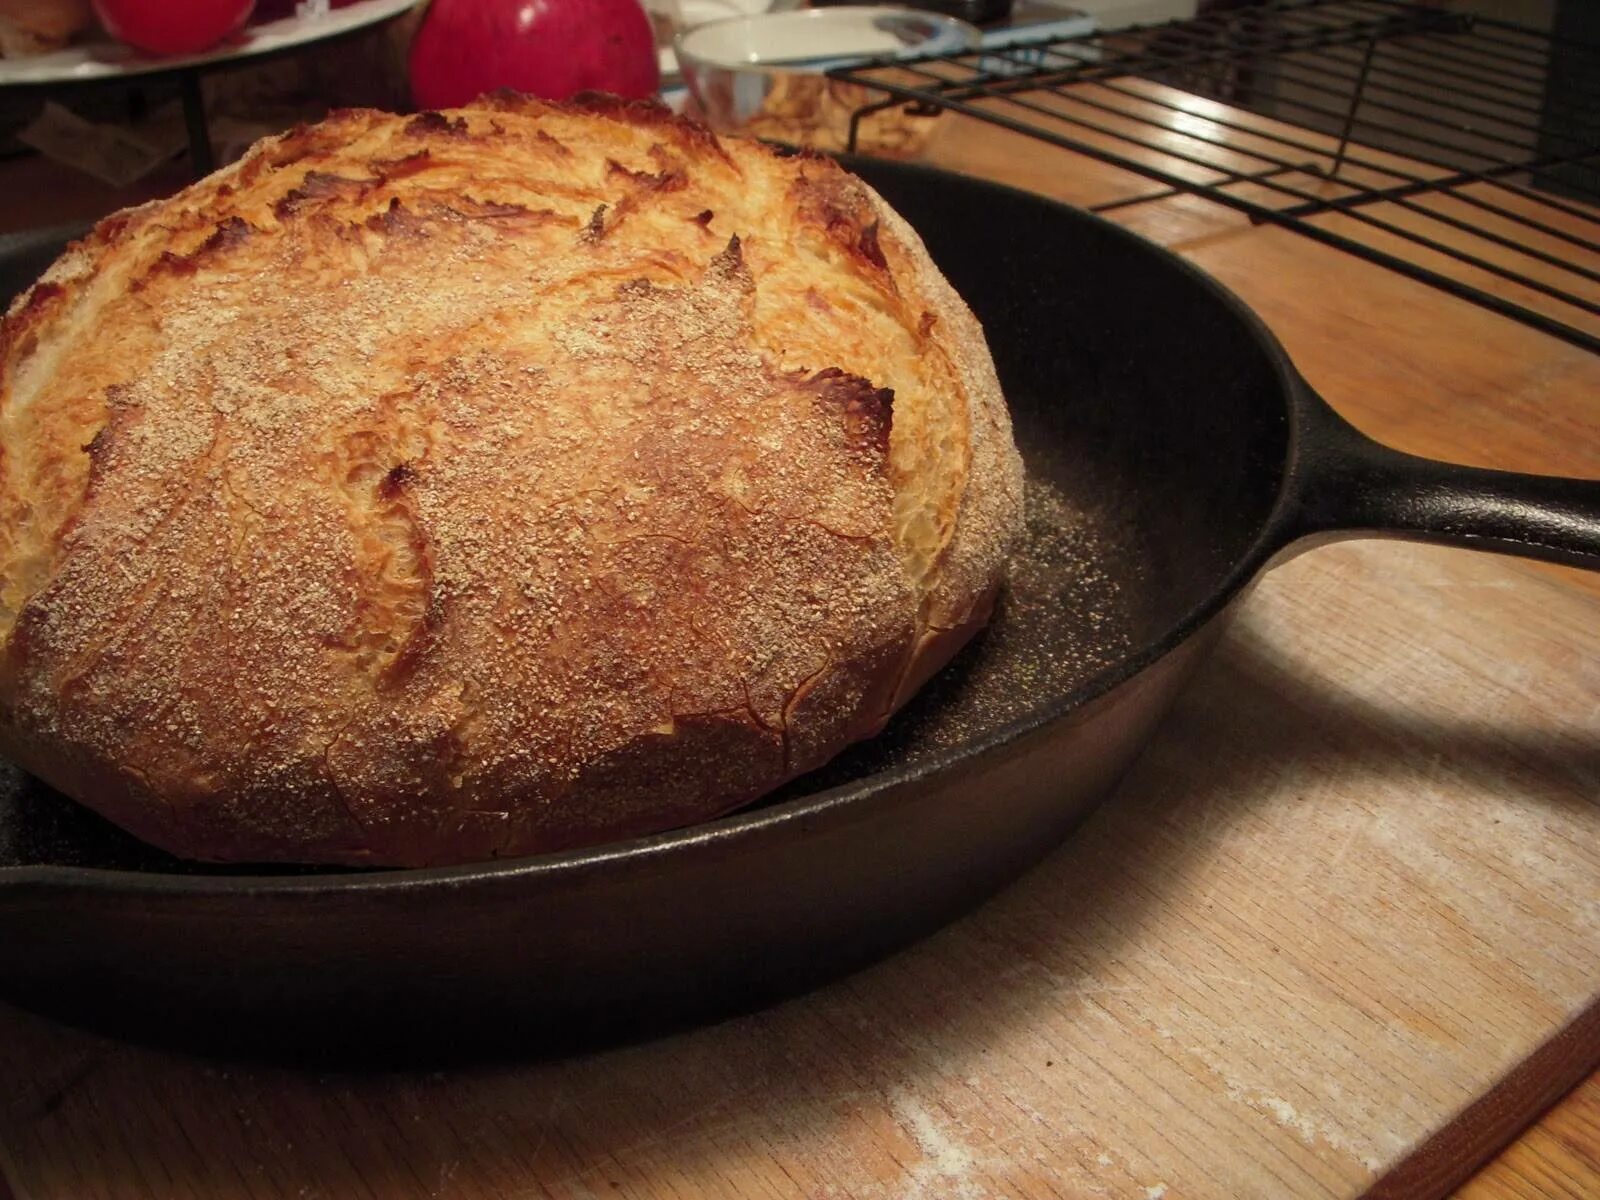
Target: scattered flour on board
<point>1284,1113</point>
<point>1359,1135</point>
<point>1309,1131</point>
<point>952,1168</point>
<point>947,1166</point>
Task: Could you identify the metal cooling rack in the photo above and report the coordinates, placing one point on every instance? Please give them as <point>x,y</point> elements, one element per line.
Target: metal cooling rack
<point>1369,125</point>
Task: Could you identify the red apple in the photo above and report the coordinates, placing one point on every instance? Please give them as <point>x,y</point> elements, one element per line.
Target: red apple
<point>172,26</point>
<point>548,48</point>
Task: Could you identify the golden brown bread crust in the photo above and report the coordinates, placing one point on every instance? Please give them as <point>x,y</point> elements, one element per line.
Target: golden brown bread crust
<point>430,489</point>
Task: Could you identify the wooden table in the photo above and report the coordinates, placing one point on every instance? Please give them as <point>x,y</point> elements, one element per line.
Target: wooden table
<point>1338,933</point>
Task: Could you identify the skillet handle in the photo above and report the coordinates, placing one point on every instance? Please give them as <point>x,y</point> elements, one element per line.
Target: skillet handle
<point>1342,484</point>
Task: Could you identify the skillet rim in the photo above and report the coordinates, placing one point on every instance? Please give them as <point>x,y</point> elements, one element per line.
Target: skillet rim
<point>759,823</point>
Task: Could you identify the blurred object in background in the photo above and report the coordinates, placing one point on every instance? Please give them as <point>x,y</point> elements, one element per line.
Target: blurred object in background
<point>117,155</point>
<point>274,10</point>
<point>112,131</point>
<point>364,70</point>
<point>39,26</point>
<point>173,26</point>
<point>1570,109</point>
<point>551,49</point>
<point>669,18</point>
<point>974,12</point>
<point>764,75</point>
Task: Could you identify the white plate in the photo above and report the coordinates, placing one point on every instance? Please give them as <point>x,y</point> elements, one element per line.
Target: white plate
<point>107,59</point>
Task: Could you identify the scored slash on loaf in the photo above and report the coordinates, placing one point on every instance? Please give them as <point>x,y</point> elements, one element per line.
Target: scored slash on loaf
<point>437,488</point>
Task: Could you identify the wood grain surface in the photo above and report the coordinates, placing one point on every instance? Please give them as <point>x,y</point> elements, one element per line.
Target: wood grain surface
<point>1558,1157</point>
<point>1351,887</point>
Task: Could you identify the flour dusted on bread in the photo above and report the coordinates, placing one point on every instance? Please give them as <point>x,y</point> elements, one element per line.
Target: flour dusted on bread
<point>434,488</point>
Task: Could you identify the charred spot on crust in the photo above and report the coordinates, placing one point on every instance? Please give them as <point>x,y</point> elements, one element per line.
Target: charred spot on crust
<point>110,227</point>
<point>867,244</point>
<point>609,104</point>
<point>556,144</point>
<point>399,477</point>
<point>729,267</point>
<point>251,169</point>
<point>703,218</point>
<point>596,228</point>
<point>423,636</point>
<point>387,169</point>
<point>319,185</point>
<point>168,263</point>
<point>465,208</point>
<point>396,220</point>
<point>669,180</point>
<point>509,100</point>
<point>644,112</point>
<point>432,121</point>
<point>650,114</point>
<point>729,264</point>
<point>99,446</point>
<point>41,295</point>
<point>102,447</point>
<point>304,140</point>
<point>231,232</point>
<point>18,330</point>
<point>234,231</point>
<point>805,154</point>
<point>925,324</point>
<point>292,146</point>
<point>833,202</point>
<point>868,411</point>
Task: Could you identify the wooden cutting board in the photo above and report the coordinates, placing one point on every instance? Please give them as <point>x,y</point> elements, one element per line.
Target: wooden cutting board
<point>1352,885</point>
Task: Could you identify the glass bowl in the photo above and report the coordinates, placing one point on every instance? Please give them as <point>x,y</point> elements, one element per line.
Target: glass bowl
<point>764,75</point>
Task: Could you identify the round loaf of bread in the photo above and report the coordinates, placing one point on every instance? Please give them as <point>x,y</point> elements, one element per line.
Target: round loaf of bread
<point>439,488</point>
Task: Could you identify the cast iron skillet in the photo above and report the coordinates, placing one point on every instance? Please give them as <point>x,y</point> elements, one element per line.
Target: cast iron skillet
<point>1174,453</point>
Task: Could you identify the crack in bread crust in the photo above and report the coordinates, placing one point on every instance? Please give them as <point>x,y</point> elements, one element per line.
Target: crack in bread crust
<point>428,489</point>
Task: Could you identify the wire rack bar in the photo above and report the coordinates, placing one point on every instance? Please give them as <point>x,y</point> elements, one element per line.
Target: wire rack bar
<point>1162,60</point>
<point>1414,184</point>
<point>1310,201</point>
<point>1422,140</point>
<point>1306,69</point>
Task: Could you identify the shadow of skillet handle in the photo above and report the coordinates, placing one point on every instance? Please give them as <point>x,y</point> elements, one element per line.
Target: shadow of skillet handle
<point>1341,484</point>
